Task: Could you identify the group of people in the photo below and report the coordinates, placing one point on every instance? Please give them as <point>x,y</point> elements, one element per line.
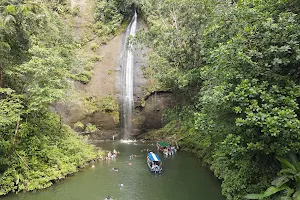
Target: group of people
<point>169,150</point>
<point>111,155</point>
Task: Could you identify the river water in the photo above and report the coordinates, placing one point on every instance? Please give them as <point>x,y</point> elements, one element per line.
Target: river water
<point>183,177</point>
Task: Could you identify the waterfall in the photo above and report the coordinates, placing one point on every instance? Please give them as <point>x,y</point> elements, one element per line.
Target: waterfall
<point>127,79</point>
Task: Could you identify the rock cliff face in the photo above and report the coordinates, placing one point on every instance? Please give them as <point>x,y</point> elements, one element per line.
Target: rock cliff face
<point>93,104</point>
<point>148,107</point>
<point>150,116</point>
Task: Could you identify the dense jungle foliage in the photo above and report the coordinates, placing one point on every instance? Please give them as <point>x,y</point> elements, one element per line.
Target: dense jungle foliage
<point>36,53</point>
<point>236,66</point>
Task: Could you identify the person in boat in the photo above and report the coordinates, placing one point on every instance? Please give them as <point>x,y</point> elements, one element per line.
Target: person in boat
<point>166,150</point>
<point>153,165</point>
<point>157,168</point>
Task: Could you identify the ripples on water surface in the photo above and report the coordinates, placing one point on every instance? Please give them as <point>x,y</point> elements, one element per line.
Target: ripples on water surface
<point>183,178</point>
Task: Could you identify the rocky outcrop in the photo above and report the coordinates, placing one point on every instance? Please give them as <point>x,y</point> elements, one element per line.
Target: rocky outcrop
<point>150,115</point>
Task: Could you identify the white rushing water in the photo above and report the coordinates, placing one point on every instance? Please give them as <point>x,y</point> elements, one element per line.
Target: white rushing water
<point>128,65</point>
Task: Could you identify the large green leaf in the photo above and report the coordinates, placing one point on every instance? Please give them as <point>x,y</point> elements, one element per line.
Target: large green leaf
<point>286,164</point>
<point>254,196</point>
<point>288,172</point>
<point>280,181</point>
<point>269,192</point>
<point>272,190</point>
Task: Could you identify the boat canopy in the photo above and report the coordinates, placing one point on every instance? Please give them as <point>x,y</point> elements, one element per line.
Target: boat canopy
<point>153,157</point>
<point>163,144</point>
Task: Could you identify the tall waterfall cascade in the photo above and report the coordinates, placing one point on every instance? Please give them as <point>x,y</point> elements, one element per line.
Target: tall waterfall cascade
<point>127,61</point>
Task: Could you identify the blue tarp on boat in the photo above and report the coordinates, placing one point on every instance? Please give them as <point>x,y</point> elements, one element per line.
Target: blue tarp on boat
<point>153,157</point>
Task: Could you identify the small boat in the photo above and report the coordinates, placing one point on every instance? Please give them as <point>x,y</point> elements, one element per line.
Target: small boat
<point>166,148</point>
<point>154,163</point>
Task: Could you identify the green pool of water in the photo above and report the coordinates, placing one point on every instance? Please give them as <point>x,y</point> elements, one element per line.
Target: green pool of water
<point>183,178</point>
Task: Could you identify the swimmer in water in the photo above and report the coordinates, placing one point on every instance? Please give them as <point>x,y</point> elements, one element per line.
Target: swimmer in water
<point>115,169</point>
<point>108,198</point>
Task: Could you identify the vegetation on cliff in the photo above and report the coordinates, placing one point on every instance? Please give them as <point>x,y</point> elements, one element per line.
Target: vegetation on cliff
<point>236,64</point>
<point>111,17</point>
